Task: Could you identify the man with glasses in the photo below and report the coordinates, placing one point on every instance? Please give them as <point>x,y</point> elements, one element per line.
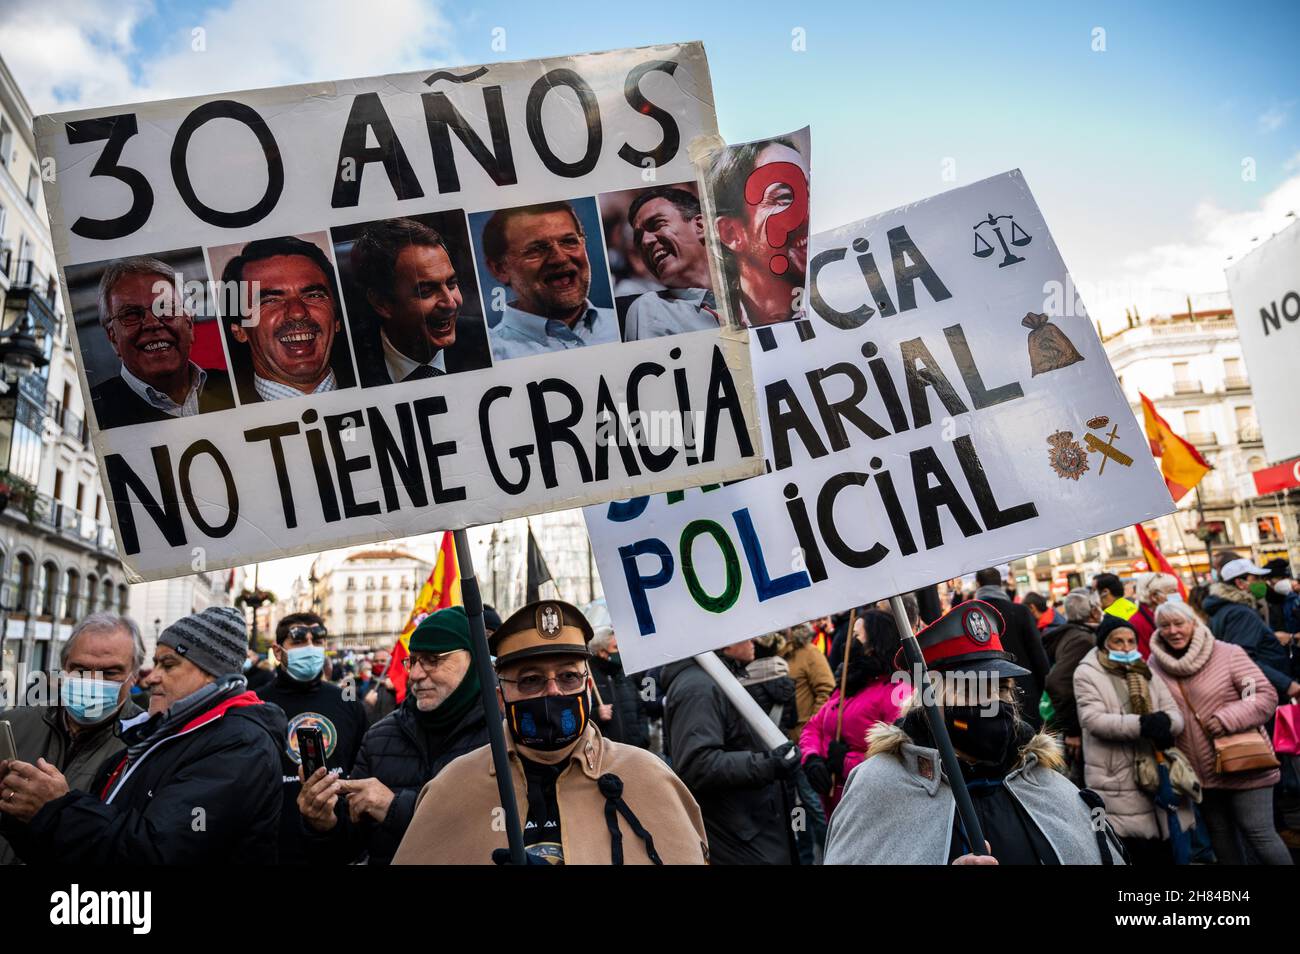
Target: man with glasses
<point>540,253</point>
<point>309,700</point>
<point>366,814</point>
<point>152,333</point>
<point>583,799</point>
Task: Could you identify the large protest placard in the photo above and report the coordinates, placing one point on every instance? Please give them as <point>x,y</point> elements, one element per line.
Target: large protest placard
<point>952,409</point>
<point>320,315</point>
<point>1265,291</point>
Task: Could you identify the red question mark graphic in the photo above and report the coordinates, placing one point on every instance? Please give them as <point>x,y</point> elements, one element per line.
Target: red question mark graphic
<point>779,225</point>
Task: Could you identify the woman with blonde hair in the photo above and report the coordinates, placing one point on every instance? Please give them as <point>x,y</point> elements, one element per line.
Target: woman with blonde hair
<point>1221,692</point>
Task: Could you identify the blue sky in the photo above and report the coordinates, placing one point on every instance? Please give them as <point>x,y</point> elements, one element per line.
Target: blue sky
<point>1135,153</point>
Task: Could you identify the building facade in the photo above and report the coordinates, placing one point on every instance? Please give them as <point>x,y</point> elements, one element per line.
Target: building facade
<point>58,555</point>
<point>1190,365</point>
<point>501,554</point>
<point>364,595</point>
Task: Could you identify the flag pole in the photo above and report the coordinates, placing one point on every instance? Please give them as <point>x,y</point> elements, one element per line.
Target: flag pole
<point>473,600</point>
<point>938,729</point>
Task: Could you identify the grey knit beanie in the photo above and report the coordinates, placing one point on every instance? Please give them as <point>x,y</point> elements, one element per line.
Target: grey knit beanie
<point>215,640</point>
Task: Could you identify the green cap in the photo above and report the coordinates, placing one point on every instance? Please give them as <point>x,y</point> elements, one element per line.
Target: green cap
<point>442,631</point>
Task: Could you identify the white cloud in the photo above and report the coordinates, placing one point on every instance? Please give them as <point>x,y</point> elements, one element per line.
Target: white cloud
<point>1292,164</point>
<point>1159,279</point>
<point>1274,118</point>
<point>75,53</point>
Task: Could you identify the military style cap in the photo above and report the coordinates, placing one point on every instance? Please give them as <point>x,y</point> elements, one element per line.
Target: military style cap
<point>544,628</point>
<point>968,638</point>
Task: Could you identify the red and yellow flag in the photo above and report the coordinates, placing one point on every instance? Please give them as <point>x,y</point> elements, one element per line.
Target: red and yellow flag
<point>1156,561</point>
<point>1180,462</point>
<point>440,590</point>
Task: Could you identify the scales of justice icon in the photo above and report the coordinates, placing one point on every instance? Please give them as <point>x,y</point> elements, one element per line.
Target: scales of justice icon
<point>1019,238</point>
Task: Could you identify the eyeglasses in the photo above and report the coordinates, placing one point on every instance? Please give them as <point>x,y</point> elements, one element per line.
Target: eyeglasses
<point>535,683</point>
<point>131,318</point>
<point>429,662</point>
<point>302,634</point>
<point>538,250</point>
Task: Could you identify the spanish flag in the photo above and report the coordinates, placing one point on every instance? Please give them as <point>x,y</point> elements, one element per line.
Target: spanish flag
<point>440,590</point>
<point>1156,561</point>
<point>1180,462</point>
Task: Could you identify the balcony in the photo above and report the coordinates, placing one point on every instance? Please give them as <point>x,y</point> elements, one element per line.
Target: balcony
<point>1203,438</point>
<point>68,522</point>
<point>1249,435</point>
<point>1236,382</point>
<point>33,290</point>
<point>1189,387</point>
<point>72,426</point>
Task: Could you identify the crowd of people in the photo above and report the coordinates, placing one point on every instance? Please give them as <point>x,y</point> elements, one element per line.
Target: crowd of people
<point>1120,702</point>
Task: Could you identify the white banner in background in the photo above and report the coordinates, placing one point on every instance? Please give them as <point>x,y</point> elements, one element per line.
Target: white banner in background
<point>947,407</point>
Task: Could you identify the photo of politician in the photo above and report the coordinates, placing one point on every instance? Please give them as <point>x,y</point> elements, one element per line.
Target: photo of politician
<point>412,298</point>
<point>283,318</point>
<point>757,294</point>
<point>658,261</point>
<point>151,347</point>
<point>544,276</point>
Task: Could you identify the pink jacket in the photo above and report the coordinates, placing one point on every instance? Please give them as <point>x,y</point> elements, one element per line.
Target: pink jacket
<point>879,702</point>
<point>1220,680</point>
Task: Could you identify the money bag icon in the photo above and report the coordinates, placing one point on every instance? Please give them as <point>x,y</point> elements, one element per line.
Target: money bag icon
<point>1049,348</point>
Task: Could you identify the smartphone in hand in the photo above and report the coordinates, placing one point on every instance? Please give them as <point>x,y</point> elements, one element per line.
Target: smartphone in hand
<point>311,748</point>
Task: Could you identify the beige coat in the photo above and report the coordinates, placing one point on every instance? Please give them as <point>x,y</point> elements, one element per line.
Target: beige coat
<point>456,818</point>
<point>1111,742</point>
<point>813,683</point>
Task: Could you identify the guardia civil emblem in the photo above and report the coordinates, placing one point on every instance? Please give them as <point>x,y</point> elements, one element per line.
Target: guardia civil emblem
<point>1067,456</point>
<point>548,620</point>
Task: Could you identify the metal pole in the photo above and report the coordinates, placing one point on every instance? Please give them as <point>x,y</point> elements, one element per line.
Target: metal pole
<point>939,729</point>
<point>739,697</point>
<point>1209,547</point>
<point>487,681</point>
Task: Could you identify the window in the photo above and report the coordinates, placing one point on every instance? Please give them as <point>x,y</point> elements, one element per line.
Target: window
<point>33,186</point>
<point>72,598</point>
<point>49,589</point>
<point>123,598</point>
<point>6,141</point>
<point>383,583</point>
<point>92,592</point>
<point>108,596</point>
<point>22,583</point>
<point>1270,529</point>
<point>352,583</point>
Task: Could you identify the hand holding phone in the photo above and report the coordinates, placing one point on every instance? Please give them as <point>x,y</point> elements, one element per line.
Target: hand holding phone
<point>311,748</point>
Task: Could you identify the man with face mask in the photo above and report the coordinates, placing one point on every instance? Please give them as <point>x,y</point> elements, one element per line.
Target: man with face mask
<point>99,663</point>
<point>1233,607</point>
<point>309,700</point>
<point>583,798</point>
<point>441,718</point>
<point>1030,812</point>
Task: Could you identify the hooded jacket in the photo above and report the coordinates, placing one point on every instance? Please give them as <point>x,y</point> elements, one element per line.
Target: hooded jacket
<point>204,792</point>
<point>917,829</point>
<point>40,732</point>
<point>730,772</point>
<point>1234,619</point>
<point>1110,748</point>
<point>1217,679</point>
<point>403,754</point>
<point>453,825</point>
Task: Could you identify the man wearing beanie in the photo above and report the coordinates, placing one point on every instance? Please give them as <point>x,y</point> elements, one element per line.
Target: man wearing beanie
<point>199,782</point>
<point>366,814</point>
<point>583,798</point>
<point>308,700</point>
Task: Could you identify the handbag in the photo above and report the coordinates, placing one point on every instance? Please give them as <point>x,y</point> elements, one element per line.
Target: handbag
<point>1286,730</point>
<point>1236,752</point>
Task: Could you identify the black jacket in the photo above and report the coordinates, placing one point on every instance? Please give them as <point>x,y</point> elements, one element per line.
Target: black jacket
<point>208,793</point>
<point>729,771</point>
<point>403,754</point>
<point>631,723</point>
<point>1020,638</point>
<point>343,723</point>
<point>116,405</point>
<point>1070,643</point>
<point>469,353</point>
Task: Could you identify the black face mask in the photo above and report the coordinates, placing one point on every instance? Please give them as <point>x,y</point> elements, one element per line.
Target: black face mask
<point>984,738</point>
<point>548,723</point>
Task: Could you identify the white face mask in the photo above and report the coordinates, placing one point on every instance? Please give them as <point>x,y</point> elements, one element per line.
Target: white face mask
<point>1283,587</point>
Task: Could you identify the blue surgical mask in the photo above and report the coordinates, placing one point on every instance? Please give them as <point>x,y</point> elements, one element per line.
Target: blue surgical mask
<point>1131,656</point>
<point>1174,598</point>
<point>305,664</point>
<point>88,700</point>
